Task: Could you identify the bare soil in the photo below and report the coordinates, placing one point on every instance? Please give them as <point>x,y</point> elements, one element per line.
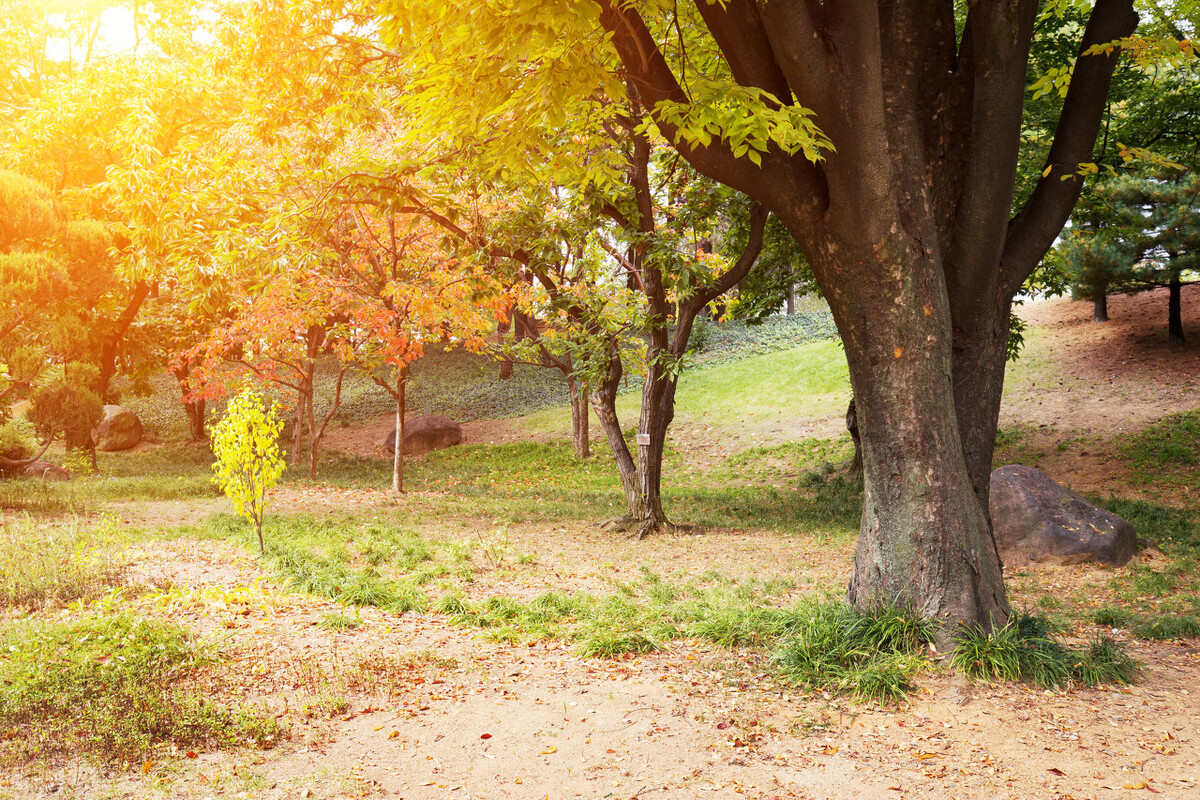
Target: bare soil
<point>465,718</point>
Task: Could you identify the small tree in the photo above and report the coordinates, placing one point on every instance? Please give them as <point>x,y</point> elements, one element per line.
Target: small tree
<point>248,465</point>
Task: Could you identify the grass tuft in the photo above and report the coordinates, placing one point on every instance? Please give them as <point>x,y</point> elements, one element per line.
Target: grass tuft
<point>1025,649</point>
<point>872,654</point>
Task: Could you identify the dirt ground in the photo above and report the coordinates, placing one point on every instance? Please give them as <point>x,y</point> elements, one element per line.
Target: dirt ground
<point>472,719</point>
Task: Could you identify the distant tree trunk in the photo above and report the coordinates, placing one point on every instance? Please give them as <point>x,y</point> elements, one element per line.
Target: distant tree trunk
<point>194,408</point>
<point>1175,314</point>
<point>506,365</point>
<point>791,302</point>
<point>398,452</point>
<point>1100,307</point>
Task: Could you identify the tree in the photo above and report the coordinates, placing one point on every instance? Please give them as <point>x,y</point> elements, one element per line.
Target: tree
<point>886,138</point>
<point>246,444</point>
<point>1145,233</point>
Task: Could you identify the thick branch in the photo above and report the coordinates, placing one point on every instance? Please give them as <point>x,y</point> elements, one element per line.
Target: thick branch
<point>1031,232</point>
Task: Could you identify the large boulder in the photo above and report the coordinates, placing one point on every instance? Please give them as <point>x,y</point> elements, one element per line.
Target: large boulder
<point>46,471</point>
<point>425,433</point>
<point>1036,520</point>
<point>120,429</point>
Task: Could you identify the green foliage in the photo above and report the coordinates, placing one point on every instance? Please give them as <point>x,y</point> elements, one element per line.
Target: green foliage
<point>246,444</point>
<point>121,689</point>
<point>875,654</point>
<point>1025,649</point>
<point>16,440</point>
<point>68,406</point>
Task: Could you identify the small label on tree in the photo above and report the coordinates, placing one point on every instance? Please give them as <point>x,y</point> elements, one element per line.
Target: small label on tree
<point>643,438</point>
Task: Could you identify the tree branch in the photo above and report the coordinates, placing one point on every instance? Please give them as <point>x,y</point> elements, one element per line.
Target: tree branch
<point>1032,231</point>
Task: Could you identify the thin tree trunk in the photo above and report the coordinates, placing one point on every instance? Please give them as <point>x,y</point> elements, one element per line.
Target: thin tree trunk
<point>604,401</point>
<point>1175,313</point>
<point>579,417</point>
<point>398,452</point>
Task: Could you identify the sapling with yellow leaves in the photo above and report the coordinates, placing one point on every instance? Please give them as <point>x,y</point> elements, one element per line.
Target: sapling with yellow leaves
<point>248,465</point>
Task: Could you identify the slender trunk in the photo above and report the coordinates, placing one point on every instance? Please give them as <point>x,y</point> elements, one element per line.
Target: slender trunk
<point>111,346</point>
<point>194,408</point>
<point>298,427</point>
<point>1100,307</point>
<point>791,300</point>
<point>1175,313</point>
<point>317,432</point>
<point>398,452</point>
<point>579,417</point>
<point>658,410</point>
<point>604,401</point>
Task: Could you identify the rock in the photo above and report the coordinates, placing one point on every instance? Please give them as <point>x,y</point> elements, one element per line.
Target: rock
<point>118,430</point>
<point>1036,520</point>
<point>425,433</point>
<point>46,471</point>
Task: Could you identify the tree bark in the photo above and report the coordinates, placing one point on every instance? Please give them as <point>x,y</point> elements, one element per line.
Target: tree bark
<point>604,401</point>
<point>398,452</point>
<point>1100,307</point>
<point>112,343</point>
<point>194,408</point>
<point>579,417</point>
<point>1175,312</point>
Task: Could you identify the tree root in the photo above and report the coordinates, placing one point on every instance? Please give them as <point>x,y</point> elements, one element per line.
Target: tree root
<point>635,527</point>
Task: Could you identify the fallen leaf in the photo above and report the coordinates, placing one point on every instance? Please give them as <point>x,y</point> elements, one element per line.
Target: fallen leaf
<point>191,754</point>
<point>486,736</point>
<point>549,750</point>
<point>1056,771</point>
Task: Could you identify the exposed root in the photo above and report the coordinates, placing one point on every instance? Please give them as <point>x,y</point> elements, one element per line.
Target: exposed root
<point>650,526</point>
<point>619,524</point>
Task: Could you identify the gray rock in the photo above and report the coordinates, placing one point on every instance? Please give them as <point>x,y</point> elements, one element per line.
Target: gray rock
<point>1036,520</point>
<point>425,433</point>
<point>120,429</point>
<point>46,471</point>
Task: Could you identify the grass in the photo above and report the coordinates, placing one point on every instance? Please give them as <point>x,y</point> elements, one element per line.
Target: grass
<point>873,654</point>
<point>49,565</point>
<point>1167,454</point>
<point>116,688</point>
<point>1026,649</point>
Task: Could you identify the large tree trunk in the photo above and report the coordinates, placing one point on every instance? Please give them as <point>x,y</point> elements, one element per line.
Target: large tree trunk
<point>905,223</point>
<point>925,541</point>
<point>1175,313</point>
<point>1100,307</point>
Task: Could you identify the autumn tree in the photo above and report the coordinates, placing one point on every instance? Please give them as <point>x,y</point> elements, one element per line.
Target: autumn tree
<point>886,138</point>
